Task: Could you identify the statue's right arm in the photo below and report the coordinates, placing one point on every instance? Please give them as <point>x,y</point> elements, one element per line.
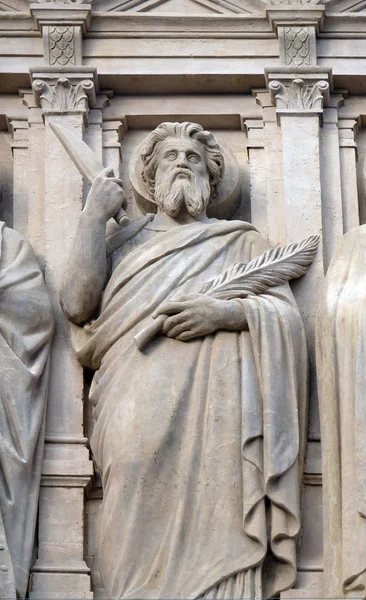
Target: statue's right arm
<point>86,271</point>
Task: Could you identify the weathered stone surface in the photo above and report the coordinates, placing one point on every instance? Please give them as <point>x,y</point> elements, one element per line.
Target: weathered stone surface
<point>297,170</point>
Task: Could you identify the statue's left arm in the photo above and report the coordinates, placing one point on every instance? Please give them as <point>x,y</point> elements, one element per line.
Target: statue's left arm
<point>200,314</point>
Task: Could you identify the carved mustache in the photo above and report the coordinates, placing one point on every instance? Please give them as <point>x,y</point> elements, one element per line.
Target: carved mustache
<point>180,171</point>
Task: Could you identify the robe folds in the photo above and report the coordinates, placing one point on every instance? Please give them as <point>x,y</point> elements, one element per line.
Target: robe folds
<point>341,366</point>
<point>199,442</point>
<point>26,327</point>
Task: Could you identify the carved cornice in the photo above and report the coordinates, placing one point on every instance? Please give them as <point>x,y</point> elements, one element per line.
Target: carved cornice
<point>64,96</point>
<point>294,3</point>
<point>66,13</point>
<point>296,27</point>
<point>72,2</point>
<point>62,26</point>
<point>286,15</point>
<point>298,96</point>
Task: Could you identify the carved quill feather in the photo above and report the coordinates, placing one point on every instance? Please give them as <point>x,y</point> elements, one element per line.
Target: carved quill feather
<point>273,267</point>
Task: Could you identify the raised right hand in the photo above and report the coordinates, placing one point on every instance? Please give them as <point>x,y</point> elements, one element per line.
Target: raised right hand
<point>106,196</point>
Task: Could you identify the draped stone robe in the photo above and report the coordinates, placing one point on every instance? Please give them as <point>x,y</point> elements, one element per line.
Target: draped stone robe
<point>341,366</point>
<point>26,326</point>
<point>199,443</point>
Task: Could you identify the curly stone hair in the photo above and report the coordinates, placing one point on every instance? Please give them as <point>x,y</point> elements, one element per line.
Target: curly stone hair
<point>214,157</point>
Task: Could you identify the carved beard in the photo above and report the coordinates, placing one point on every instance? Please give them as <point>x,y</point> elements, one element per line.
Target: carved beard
<point>172,191</point>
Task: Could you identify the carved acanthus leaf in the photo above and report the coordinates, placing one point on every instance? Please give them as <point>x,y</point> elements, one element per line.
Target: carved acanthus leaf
<point>63,96</point>
<point>298,95</point>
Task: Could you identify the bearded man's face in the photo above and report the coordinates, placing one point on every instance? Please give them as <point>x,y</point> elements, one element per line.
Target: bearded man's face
<point>181,177</point>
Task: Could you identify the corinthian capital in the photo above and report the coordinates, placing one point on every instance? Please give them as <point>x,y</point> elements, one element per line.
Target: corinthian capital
<point>298,95</point>
<point>64,96</point>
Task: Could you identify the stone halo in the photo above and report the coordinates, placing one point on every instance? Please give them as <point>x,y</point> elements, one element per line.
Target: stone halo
<point>228,193</point>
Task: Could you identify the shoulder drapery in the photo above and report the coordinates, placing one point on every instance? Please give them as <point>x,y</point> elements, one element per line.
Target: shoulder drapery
<point>341,360</point>
<point>199,442</point>
<point>26,326</point>
<point>93,341</point>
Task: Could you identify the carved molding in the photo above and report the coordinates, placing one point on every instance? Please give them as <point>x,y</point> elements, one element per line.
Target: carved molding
<point>72,2</point>
<point>298,95</point>
<point>64,96</point>
<point>293,2</point>
<point>221,7</point>
<point>62,26</point>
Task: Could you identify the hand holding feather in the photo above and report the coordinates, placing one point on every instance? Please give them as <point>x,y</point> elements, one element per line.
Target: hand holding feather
<point>199,314</point>
<point>192,316</point>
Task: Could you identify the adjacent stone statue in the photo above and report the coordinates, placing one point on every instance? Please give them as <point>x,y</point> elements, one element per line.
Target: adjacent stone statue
<point>26,326</point>
<point>341,366</point>
<point>199,436</point>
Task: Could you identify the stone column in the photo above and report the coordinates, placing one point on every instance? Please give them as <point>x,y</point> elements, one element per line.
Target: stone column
<point>299,106</point>
<point>20,130</point>
<point>299,90</point>
<point>64,92</point>
<point>30,220</point>
<point>265,157</point>
<point>113,133</point>
<point>348,129</point>
<point>299,96</point>
<point>265,213</point>
<point>256,158</point>
<point>60,569</point>
<point>332,212</point>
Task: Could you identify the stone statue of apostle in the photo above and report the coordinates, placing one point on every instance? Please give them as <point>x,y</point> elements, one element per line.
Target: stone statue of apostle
<point>198,437</point>
<point>26,327</point>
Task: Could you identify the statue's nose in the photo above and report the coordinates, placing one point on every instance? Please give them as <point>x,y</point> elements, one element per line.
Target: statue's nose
<point>182,162</point>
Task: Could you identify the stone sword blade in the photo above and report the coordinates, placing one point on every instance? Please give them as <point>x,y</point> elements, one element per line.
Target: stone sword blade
<point>85,160</point>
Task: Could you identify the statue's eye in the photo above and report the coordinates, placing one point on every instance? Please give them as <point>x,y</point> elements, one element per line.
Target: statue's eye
<point>172,155</point>
<point>193,158</point>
